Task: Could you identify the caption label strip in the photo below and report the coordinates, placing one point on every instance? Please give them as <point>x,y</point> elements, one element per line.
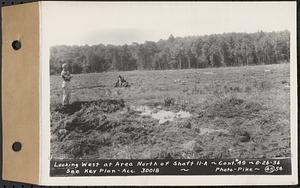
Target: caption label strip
<point>63,168</point>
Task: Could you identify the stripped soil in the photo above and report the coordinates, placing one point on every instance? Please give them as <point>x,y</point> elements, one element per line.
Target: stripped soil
<point>229,127</point>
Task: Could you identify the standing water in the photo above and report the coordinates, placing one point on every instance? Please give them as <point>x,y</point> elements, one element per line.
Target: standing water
<point>162,116</point>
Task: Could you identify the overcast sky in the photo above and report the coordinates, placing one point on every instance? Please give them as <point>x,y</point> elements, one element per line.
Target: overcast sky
<point>80,23</point>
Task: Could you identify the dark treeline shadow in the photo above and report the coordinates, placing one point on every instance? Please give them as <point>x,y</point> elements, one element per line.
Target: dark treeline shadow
<point>216,50</point>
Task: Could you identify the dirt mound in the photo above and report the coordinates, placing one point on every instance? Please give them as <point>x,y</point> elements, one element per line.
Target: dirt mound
<point>233,107</point>
<point>78,149</point>
<point>80,128</point>
<point>107,105</point>
<point>238,116</point>
<point>67,109</point>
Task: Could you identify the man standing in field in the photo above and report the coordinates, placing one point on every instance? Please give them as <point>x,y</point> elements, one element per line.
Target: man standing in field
<point>66,85</point>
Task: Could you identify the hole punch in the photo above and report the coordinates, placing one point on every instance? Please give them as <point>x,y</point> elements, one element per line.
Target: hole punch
<point>17,146</point>
<point>16,45</point>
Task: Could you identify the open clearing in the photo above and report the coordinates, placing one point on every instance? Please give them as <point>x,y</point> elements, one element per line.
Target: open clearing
<point>234,112</point>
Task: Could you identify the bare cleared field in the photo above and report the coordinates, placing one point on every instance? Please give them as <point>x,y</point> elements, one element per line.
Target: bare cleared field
<point>229,112</point>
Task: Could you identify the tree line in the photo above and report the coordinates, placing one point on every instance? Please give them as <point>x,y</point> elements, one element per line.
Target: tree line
<point>216,50</point>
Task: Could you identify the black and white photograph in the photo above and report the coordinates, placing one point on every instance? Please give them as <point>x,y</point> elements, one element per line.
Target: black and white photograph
<point>168,81</point>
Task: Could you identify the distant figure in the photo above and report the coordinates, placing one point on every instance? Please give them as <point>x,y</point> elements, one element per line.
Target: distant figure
<point>121,82</point>
<point>66,85</point>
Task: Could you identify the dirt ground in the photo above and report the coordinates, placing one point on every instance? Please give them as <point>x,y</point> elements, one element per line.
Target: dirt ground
<point>238,112</point>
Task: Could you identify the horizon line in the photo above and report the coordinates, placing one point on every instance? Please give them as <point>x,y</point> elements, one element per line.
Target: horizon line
<point>186,36</point>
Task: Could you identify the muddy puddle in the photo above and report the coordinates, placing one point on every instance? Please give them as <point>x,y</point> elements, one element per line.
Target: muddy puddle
<point>162,116</point>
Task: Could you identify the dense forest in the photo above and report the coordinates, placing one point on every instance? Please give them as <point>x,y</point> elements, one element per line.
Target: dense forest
<point>216,50</point>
